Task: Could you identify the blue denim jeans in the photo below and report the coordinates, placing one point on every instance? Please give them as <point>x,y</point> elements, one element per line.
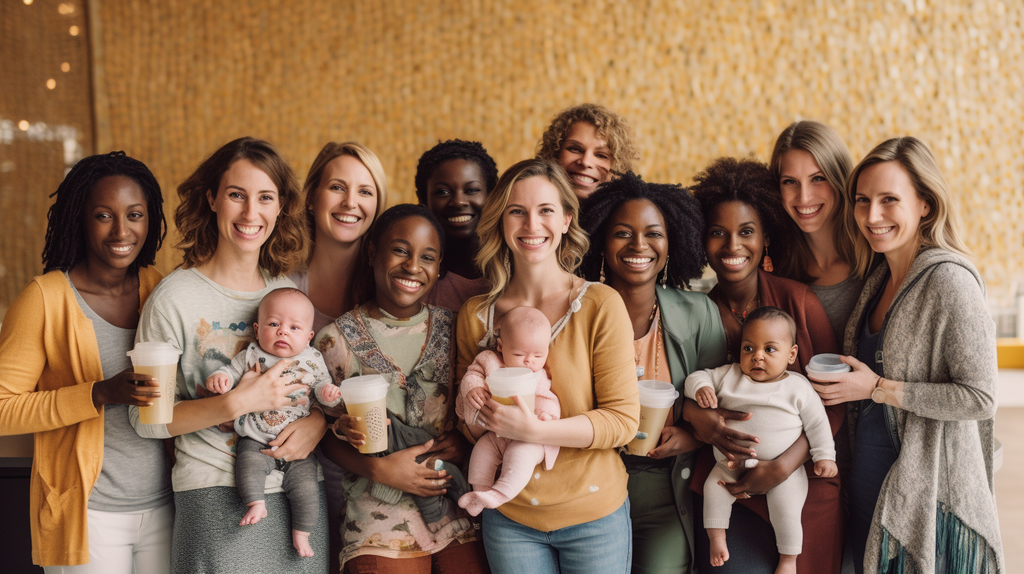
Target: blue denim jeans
<point>600,546</point>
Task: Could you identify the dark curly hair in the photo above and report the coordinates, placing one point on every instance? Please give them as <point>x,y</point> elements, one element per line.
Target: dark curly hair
<point>449,150</point>
<point>683,221</point>
<point>65,245</point>
<point>748,181</point>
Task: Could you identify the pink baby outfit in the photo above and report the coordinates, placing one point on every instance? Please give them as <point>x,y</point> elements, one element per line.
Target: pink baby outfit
<point>516,458</point>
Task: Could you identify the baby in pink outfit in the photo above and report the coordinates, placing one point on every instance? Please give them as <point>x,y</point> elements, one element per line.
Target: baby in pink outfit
<point>522,342</point>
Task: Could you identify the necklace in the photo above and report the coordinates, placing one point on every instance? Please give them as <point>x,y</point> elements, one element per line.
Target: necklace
<point>638,351</point>
<point>741,315</point>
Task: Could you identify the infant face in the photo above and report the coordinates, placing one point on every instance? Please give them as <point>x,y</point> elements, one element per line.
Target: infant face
<point>285,324</point>
<point>766,350</point>
<point>521,347</point>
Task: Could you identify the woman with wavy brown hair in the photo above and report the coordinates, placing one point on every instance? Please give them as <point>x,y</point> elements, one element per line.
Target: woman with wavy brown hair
<point>242,229</point>
<point>592,144</point>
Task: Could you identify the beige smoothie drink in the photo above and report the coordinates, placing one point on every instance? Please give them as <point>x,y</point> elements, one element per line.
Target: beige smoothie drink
<point>509,382</point>
<point>373,425</point>
<point>656,401</point>
<point>160,360</point>
<point>366,397</point>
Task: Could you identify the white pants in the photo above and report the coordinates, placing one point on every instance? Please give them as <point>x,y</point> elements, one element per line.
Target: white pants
<point>126,543</point>
<point>785,505</point>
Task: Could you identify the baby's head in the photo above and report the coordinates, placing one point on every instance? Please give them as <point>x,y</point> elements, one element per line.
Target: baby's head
<point>768,344</point>
<point>284,324</point>
<point>524,338</point>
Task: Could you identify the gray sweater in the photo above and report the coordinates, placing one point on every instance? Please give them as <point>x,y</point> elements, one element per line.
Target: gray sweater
<point>940,340</point>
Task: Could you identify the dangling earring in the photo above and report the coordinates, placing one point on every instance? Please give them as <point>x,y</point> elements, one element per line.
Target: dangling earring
<point>766,263</point>
<point>664,275</point>
<point>508,266</point>
<point>601,277</point>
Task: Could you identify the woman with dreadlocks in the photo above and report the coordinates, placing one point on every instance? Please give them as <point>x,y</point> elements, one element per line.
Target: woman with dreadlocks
<point>100,494</point>
<point>453,179</point>
<point>647,243</point>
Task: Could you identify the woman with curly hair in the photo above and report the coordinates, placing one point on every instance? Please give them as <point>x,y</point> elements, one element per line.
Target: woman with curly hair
<point>742,221</point>
<point>67,378</point>
<point>647,244</point>
<point>242,229</point>
<point>573,518</point>
<point>592,143</point>
<point>811,163</point>
<point>453,179</point>
<point>920,484</point>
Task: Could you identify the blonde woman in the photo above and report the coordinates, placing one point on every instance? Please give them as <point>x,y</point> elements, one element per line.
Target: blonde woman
<point>240,219</point>
<point>345,190</point>
<point>811,164</point>
<point>592,144</point>
<point>922,390</point>
<point>574,517</point>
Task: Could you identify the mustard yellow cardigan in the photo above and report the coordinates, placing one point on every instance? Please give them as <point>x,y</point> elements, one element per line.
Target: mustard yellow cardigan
<point>49,360</point>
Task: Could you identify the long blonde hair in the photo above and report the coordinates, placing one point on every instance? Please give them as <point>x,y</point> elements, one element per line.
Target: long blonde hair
<point>494,257</point>
<point>941,227</point>
<point>316,171</point>
<point>835,162</point>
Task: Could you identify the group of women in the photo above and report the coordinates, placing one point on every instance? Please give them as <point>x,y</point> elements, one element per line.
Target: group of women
<point>868,259</point>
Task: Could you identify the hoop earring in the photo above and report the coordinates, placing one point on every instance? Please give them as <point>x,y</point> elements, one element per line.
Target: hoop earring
<point>601,276</point>
<point>664,275</point>
<point>766,263</point>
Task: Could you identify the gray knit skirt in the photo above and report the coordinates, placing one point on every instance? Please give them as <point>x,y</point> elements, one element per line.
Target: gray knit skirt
<point>208,539</point>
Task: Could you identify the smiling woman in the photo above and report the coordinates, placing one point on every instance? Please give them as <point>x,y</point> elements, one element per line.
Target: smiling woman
<point>743,220</point>
<point>647,245</point>
<point>592,144</point>
<point>531,243</point>
<point>345,190</point>
<point>395,519</point>
<point>241,223</point>
<point>453,179</point>
<point>66,377</point>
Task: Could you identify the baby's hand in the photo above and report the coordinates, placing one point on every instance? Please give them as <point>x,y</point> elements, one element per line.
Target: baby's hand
<point>331,393</point>
<point>218,383</point>
<point>826,468</point>
<point>706,398</point>
<point>546,417</point>
<point>345,427</point>
<point>478,397</point>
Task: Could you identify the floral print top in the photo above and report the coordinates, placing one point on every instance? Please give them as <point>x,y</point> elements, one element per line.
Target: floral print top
<point>357,344</point>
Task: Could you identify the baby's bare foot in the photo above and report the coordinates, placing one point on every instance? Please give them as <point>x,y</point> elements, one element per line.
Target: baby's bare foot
<point>719,549</point>
<point>300,540</point>
<point>257,511</point>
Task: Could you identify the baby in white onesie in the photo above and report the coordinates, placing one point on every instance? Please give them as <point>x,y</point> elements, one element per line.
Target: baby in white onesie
<point>784,405</point>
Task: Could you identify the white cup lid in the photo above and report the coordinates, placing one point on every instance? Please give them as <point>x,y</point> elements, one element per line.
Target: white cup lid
<point>364,389</point>
<point>154,353</point>
<point>657,394</point>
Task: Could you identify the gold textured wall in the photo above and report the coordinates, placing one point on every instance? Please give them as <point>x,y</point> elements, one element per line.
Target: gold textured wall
<point>697,79</point>
<point>45,125</point>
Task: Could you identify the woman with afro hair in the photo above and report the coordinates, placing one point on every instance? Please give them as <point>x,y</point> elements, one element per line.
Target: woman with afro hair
<point>592,144</point>
<point>743,221</point>
<point>66,376</point>
<point>647,244</point>
<point>453,179</point>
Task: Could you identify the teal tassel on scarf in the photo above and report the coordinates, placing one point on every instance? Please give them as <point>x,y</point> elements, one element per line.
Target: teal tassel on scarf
<point>958,547</point>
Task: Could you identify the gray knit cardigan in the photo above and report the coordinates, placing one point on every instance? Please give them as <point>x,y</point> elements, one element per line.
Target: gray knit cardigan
<point>940,340</point>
